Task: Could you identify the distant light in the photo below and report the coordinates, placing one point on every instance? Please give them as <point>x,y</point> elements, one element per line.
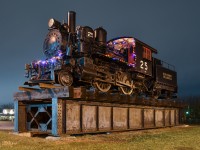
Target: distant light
<point>12,111</point>
<point>5,111</point>
<point>187,112</point>
<point>8,111</point>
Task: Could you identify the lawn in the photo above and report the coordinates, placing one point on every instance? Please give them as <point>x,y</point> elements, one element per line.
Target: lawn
<point>175,138</point>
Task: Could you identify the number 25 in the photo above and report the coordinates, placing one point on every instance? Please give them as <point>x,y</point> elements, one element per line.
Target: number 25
<point>143,65</point>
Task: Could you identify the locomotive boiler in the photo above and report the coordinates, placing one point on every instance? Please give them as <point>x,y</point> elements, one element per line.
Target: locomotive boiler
<point>81,56</point>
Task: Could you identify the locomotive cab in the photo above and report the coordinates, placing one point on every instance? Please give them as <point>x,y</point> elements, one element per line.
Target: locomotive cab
<point>144,54</point>
<point>122,49</point>
<point>135,53</point>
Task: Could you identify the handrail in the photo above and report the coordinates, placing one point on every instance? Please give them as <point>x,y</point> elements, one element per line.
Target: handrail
<point>168,66</point>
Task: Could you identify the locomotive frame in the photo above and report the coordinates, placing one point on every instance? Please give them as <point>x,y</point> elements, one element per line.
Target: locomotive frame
<point>81,56</point>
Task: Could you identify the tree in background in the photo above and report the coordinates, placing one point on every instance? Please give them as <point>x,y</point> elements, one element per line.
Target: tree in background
<point>191,112</point>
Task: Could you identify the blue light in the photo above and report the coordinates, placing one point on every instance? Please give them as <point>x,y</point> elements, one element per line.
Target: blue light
<point>52,60</point>
<point>60,54</point>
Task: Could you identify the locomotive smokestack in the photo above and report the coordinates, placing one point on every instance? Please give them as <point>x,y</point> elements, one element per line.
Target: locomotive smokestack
<point>71,21</point>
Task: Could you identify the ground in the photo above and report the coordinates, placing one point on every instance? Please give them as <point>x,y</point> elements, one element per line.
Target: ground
<point>6,125</point>
<point>183,137</point>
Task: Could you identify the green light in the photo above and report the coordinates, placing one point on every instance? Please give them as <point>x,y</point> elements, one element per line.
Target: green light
<point>187,112</point>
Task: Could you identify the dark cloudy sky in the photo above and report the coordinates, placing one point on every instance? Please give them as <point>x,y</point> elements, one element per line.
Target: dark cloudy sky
<point>172,27</point>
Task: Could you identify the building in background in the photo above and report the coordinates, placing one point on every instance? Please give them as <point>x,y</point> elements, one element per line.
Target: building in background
<point>7,114</point>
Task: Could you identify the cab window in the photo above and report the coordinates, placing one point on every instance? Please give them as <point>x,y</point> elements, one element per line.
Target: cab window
<point>147,53</point>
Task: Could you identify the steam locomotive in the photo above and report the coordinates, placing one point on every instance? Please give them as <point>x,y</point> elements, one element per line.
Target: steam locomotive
<point>81,56</point>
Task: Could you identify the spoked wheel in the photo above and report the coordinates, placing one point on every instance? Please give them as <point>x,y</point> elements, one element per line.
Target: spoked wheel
<point>126,90</point>
<point>125,83</point>
<point>102,86</point>
<point>65,78</point>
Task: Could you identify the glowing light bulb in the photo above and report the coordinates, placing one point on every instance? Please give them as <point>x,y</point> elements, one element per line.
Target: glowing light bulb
<point>52,60</point>
<point>5,111</point>
<point>11,111</point>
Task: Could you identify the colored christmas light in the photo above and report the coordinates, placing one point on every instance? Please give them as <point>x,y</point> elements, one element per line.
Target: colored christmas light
<point>48,61</point>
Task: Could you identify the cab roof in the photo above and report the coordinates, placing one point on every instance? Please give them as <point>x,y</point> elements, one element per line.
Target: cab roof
<point>146,45</point>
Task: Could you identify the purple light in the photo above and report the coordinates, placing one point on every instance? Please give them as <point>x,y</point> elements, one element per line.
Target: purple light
<point>43,62</point>
<point>38,62</point>
<point>131,65</point>
<point>60,54</point>
<point>133,54</point>
<point>52,60</point>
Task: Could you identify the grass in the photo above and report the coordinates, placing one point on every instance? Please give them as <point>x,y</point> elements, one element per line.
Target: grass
<point>176,138</point>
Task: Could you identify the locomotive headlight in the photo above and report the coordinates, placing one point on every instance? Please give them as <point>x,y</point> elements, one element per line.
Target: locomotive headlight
<point>51,22</point>
<point>52,43</point>
<point>52,39</point>
<point>54,23</point>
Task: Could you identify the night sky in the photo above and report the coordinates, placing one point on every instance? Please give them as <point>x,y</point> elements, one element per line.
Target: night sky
<point>171,27</point>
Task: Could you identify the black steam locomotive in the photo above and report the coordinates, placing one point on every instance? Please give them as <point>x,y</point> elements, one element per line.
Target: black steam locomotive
<point>81,56</point>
